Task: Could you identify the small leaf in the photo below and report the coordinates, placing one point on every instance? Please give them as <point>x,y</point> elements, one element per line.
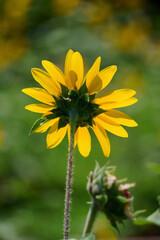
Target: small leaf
<point>90,236</point>
<point>155,167</point>
<point>35,125</point>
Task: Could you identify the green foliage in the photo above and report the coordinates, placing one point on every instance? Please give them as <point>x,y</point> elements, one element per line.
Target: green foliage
<point>154,166</point>
<point>154,218</point>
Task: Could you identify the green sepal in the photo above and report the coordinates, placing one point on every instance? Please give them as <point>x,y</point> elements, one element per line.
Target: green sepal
<point>101,200</point>
<point>121,180</point>
<point>135,214</point>
<point>122,199</point>
<point>64,90</point>
<point>83,89</point>
<point>62,123</point>
<point>99,111</point>
<point>50,116</point>
<point>92,97</point>
<point>109,169</point>
<point>36,124</point>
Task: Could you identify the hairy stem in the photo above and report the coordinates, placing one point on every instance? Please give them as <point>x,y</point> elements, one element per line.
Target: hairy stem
<point>90,219</point>
<point>69,180</point>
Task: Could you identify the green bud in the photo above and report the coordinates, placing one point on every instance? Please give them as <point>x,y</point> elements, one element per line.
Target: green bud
<point>110,194</point>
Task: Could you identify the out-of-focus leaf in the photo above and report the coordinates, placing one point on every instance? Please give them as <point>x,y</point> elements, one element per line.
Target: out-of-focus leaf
<point>90,236</point>
<point>155,217</point>
<point>155,167</point>
<point>141,221</point>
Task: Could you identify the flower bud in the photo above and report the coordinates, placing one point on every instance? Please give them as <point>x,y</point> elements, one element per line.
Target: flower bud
<point>110,194</point>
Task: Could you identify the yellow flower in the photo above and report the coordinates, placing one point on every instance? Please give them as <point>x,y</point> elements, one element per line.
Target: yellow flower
<point>66,91</point>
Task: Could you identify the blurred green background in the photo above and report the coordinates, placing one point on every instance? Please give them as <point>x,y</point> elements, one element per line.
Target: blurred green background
<point>32,178</point>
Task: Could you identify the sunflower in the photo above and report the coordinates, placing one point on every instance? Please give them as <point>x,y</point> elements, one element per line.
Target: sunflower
<point>70,91</point>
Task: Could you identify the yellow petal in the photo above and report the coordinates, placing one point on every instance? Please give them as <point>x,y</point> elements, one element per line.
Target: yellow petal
<point>55,135</point>
<point>39,94</point>
<point>95,86</point>
<point>39,108</point>
<point>83,139</point>
<point>73,79</point>
<point>91,77</point>
<point>106,75</point>
<point>121,118</point>
<point>111,126</point>
<point>54,72</point>
<point>44,79</point>
<point>46,114</point>
<point>116,96</point>
<point>76,70</point>
<point>44,127</point>
<point>103,139</point>
<point>124,103</point>
<point>67,67</point>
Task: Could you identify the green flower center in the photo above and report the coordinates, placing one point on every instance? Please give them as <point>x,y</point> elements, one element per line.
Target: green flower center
<point>79,102</point>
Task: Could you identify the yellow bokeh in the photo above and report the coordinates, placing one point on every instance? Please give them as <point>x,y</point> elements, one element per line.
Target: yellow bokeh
<point>13,42</point>
<point>63,7</point>
<point>102,230</point>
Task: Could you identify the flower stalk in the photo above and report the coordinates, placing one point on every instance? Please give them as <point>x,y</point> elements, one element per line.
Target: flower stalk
<point>68,190</point>
<point>92,213</point>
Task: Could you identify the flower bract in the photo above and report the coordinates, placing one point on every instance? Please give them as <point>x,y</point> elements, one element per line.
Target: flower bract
<point>64,93</point>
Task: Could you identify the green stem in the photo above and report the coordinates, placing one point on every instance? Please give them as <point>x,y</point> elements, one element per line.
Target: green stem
<point>69,178</point>
<point>90,218</point>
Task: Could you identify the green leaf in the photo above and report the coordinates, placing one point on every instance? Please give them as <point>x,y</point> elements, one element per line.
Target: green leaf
<point>155,217</point>
<point>141,221</point>
<point>35,125</point>
<point>90,236</point>
<point>155,167</point>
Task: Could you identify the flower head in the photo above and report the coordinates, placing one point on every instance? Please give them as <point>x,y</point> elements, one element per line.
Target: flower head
<point>70,91</point>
